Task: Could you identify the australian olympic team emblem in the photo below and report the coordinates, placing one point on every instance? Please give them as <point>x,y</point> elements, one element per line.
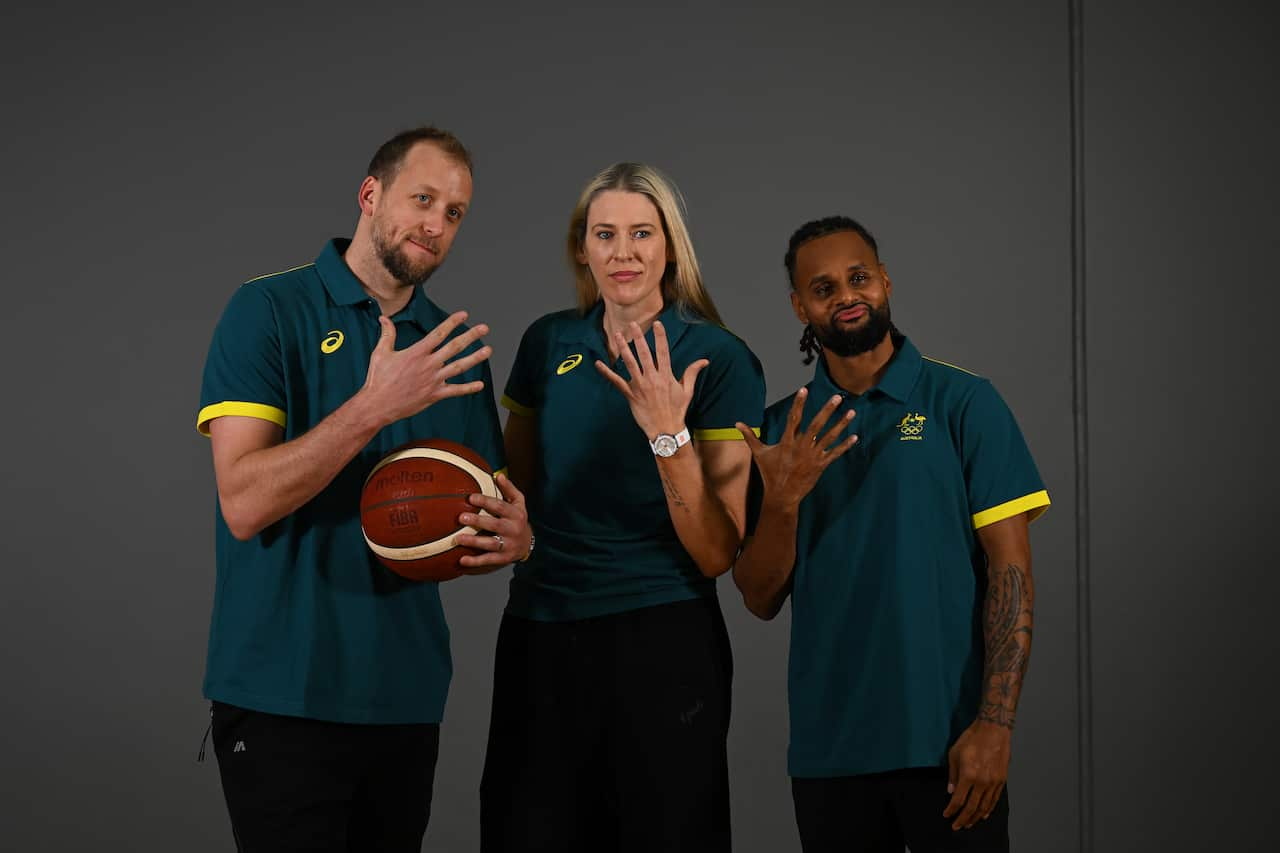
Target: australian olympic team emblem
<point>912,427</point>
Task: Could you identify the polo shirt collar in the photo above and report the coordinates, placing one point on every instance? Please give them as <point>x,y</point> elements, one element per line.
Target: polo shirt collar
<point>341,283</point>
<point>897,382</point>
<point>345,289</point>
<point>589,329</point>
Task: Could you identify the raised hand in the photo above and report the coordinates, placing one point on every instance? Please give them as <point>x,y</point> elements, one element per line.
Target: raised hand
<point>507,523</point>
<point>658,402</point>
<point>791,468</point>
<point>403,383</point>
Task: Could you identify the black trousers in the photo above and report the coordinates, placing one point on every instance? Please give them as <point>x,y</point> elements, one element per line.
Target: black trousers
<point>883,812</point>
<point>294,784</point>
<point>609,734</point>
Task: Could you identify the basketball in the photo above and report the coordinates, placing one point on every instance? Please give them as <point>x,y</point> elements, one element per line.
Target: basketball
<point>410,504</point>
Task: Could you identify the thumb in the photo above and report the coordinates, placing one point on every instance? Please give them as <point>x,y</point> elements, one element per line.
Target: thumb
<point>691,374</point>
<point>387,340</point>
<point>753,444</point>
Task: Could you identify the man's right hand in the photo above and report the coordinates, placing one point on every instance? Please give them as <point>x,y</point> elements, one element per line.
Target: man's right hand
<point>402,383</point>
<point>791,468</point>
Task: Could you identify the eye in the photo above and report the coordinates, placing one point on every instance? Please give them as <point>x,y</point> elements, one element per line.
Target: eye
<point>640,234</point>
<point>860,276</point>
<point>455,214</point>
<point>603,235</point>
<point>422,198</point>
<point>822,289</point>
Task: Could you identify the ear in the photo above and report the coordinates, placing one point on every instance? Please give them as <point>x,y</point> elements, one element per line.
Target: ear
<point>367,196</point>
<point>888,285</point>
<point>581,255</point>
<point>801,314</point>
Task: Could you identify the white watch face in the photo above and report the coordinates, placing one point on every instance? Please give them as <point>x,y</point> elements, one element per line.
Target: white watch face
<point>665,445</point>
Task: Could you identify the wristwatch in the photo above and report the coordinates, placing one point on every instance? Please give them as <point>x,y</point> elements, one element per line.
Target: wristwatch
<point>666,445</point>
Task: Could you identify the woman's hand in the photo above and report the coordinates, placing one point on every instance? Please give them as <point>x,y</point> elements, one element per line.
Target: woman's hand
<point>658,402</point>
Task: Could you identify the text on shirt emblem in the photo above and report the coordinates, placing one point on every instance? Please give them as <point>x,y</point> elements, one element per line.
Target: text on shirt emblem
<point>569,364</point>
<point>912,427</point>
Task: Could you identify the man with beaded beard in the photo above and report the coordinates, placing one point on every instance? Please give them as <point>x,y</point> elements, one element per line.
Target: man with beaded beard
<point>908,565</point>
<point>327,673</point>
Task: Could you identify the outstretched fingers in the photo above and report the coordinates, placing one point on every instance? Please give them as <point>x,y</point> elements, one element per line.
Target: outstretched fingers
<point>793,416</point>
<point>614,379</point>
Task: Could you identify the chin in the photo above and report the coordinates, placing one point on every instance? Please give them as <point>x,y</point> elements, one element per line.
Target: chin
<point>627,295</point>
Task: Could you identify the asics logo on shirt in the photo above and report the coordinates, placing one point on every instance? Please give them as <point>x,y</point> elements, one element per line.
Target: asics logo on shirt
<point>569,364</point>
<point>332,341</point>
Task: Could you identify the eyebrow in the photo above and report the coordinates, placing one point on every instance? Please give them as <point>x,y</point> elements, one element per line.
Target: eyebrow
<point>648,225</point>
<point>825,277</point>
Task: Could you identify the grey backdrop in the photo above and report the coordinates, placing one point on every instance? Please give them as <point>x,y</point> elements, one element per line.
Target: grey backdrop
<point>156,157</point>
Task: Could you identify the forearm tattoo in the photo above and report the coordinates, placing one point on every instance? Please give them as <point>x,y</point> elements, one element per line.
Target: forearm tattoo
<point>1006,624</point>
<point>671,490</point>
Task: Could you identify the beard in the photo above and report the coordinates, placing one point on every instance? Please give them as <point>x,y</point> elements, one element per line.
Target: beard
<point>401,268</point>
<point>860,339</point>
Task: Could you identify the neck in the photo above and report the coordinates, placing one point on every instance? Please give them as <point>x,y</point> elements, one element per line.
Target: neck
<point>618,318</point>
<point>390,293</point>
<point>859,373</point>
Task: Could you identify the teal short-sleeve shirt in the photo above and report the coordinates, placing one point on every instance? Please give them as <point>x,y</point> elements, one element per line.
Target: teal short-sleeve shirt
<point>605,541</point>
<point>306,622</point>
<point>886,639</point>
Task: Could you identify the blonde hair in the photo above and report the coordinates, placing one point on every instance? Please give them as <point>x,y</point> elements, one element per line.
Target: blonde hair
<point>682,279</point>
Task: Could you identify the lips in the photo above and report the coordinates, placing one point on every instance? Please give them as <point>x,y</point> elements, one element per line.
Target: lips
<point>421,246</point>
<point>849,315</point>
<point>624,276</point>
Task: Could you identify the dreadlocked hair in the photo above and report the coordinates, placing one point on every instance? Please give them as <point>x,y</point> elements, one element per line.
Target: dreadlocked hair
<point>809,344</point>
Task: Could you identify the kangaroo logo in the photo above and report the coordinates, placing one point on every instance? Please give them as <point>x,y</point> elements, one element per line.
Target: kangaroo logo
<point>332,341</point>
<point>912,427</point>
<point>569,364</point>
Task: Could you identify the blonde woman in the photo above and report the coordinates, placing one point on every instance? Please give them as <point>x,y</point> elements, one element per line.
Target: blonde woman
<point>613,670</point>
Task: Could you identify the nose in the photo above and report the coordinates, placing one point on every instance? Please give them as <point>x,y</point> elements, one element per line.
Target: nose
<point>623,248</point>
<point>433,221</point>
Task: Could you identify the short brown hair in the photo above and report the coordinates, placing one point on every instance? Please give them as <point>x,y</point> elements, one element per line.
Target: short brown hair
<point>389,157</point>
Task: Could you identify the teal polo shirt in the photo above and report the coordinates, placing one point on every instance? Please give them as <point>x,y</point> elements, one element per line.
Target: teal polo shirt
<point>306,622</point>
<point>886,634</point>
<point>605,541</point>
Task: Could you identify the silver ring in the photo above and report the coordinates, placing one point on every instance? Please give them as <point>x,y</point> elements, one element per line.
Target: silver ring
<point>501,543</point>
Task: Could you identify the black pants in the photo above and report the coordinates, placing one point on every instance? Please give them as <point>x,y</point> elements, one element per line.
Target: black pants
<point>294,784</point>
<point>882,812</point>
<point>608,734</point>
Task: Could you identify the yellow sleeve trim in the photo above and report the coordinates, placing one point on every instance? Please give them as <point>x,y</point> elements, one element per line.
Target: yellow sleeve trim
<point>503,472</point>
<point>721,434</point>
<point>1034,504</point>
<point>513,406</point>
<point>247,410</point>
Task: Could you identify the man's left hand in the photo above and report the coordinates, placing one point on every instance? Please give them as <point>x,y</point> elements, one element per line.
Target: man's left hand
<point>510,538</point>
<point>979,766</point>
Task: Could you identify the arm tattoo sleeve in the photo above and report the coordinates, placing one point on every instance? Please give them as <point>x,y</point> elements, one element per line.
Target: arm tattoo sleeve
<point>1006,624</point>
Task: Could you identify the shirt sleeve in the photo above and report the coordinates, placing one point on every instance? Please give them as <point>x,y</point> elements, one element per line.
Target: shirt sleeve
<point>1000,475</point>
<point>244,371</point>
<point>524,391</point>
<point>730,389</point>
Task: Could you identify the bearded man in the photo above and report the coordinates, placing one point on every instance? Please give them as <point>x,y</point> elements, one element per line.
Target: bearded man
<point>904,550</point>
<point>327,673</point>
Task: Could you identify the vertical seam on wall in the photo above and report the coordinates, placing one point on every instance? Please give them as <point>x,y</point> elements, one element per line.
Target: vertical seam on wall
<point>1080,413</point>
